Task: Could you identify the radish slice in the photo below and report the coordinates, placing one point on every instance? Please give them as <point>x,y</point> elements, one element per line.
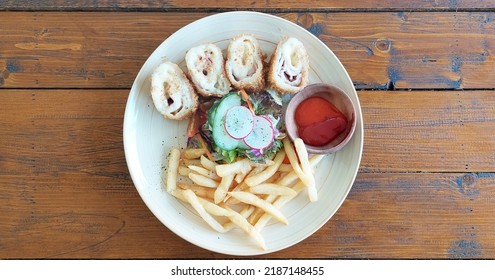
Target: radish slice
<point>239,122</point>
<point>262,135</point>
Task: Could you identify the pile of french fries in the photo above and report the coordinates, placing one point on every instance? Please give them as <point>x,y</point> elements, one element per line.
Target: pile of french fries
<point>257,190</point>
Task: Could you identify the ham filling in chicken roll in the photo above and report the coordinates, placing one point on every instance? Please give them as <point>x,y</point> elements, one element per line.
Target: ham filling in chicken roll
<point>206,68</point>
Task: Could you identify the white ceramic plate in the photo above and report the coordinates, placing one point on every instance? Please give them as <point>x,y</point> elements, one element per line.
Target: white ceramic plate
<point>148,137</point>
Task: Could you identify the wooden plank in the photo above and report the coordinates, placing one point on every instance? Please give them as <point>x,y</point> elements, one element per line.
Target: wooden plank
<point>389,215</point>
<point>452,133</point>
<point>66,191</point>
<point>412,216</point>
<point>428,131</point>
<point>80,49</point>
<point>62,131</point>
<point>379,50</point>
<point>395,50</point>
<point>242,4</point>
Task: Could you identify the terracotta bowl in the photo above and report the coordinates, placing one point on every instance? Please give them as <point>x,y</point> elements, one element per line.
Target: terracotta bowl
<point>337,97</point>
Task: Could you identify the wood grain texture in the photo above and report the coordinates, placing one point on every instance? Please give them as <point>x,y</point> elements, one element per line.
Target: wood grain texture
<point>428,131</point>
<point>242,4</point>
<point>385,216</point>
<point>379,50</point>
<point>425,76</point>
<point>66,191</point>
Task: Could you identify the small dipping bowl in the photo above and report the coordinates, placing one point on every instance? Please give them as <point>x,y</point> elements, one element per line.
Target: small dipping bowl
<point>339,99</point>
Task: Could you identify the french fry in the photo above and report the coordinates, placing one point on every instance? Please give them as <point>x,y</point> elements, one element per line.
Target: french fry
<point>235,218</point>
<point>281,201</point>
<point>285,167</point>
<point>262,188</point>
<point>187,162</point>
<point>245,212</point>
<point>291,177</point>
<point>184,171</point>
<point>198,190</point>
<point>205,172</point>
<point>223,188</point>
<point>270,199</point>
<point>203,180</point>
<point>173,166</point>
<point>242,186</point>
<point>190,197</point>
<point>253,180</point>
<point>206,163</point>
<point>193,153</point>
<point>252,199</point>
<point>273,189</point>
<point>239,177</point>
<point>241,222</point>
<point>240,166</point>
<point>291,154</point>
<point>306,168</point>
<point>179,194</point>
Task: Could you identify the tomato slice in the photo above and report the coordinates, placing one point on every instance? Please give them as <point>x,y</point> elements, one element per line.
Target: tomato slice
<point>195,122</point>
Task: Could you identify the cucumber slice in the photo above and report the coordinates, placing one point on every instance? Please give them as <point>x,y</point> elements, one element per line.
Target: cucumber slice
<point>220,136</point>
<point>239,122</point>
<point>211,113</point>
<point>262,135</point>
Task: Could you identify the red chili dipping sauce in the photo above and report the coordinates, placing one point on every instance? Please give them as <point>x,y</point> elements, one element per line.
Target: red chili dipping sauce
<point>319,121</point>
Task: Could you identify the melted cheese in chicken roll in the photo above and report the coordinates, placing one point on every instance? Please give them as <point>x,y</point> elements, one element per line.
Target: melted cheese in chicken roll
<point>244,65</point>
<point>172,93</point>
<point>289,66</point>
<point>206,67</point>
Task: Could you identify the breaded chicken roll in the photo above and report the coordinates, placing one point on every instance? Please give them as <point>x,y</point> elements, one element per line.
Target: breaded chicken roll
<point>206,68</point>
<point>289,66</point>
<point>244,65</point>
<point>172,92</point>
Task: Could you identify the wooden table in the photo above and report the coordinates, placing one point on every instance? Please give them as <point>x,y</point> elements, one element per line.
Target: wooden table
<point>425,75</point>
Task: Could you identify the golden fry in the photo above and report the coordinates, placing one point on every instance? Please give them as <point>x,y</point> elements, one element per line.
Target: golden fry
<point>223,188</point>
<point>262,188</point>
<point>285,167</point>
<point>239,177</point>
<point>241,166</point>
<point>190,197</point>
<point>203,180</point>
<point>193,153</point>
<point>187,162</point>
<point>235,218</point>
<point>173,166</point>
<point>291,154</point>
<point>267,173</point>
<point>252,199</point>
<point>198,190</point>
<point>281,201</point>
<point>206,163</point>
<point>306,168</point>
<point>184,171</point>
<point>205,172</point>
<point>273,189</point>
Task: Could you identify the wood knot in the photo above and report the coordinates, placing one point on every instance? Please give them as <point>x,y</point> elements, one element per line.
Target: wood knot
<point>468,179</point>
<point>305,20</point>
<point>4,74</point>
<point>383,45</point>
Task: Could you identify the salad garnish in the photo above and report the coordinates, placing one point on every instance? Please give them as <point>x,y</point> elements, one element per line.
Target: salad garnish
<point>239,125</point>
